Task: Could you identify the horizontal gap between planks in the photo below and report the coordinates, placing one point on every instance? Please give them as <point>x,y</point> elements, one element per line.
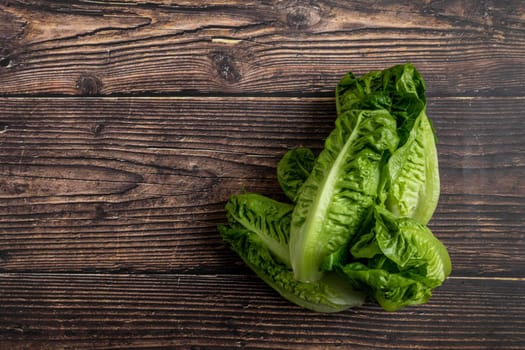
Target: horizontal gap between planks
<point>201,95</point>
<point>206,273</point>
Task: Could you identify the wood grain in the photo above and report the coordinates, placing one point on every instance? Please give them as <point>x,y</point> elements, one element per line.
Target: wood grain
<point>136,184</point>
<point>230,311</point>
<point>125,125</point>
<point>463,48</point>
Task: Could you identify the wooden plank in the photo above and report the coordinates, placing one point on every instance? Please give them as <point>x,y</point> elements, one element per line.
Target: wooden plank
<point>482,177</point>
<point>277,47</point>
<point>89,311</point>
<point>139,184</point>
<point>109,205</point>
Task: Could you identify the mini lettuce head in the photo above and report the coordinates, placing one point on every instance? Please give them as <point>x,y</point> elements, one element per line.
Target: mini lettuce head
<point>375,116</point>
<point>357,224</point>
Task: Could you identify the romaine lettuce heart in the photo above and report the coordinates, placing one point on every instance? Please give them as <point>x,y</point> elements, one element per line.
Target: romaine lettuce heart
<point>341,188</point>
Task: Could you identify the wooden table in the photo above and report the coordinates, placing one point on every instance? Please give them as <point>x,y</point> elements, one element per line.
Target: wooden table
<point>125,126</point>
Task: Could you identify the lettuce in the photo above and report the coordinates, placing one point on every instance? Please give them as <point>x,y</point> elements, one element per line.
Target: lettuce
<point>411,183</point>
<point>360,208</point>
<point>376,114</point>
<point>293,169</point>
<point>258,231</point>
<point>266,218</point>
<point>404,260</point>
<point>341,188</point>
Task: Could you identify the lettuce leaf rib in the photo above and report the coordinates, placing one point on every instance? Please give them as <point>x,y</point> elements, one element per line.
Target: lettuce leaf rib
<point>341,187</point>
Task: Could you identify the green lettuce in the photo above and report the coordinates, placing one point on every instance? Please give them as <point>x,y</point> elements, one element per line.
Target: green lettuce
<point>400,260</point>
<point>357,222</point>
<point>341,188</point>
<point>376,115</point>
<point>266,218</point>
<point>411,183</point>
<point>258,231</point>
<point>293,169</point>
<point>392,291</point>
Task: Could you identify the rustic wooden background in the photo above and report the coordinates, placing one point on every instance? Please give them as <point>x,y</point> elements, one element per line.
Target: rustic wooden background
<point>124,127</point>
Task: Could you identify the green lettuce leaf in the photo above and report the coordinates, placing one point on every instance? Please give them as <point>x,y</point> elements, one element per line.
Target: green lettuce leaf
<point>340,189</point>
<point>265,217</point>
<point>412,185</point>
<point>293,169</point>
<point>401,261</point>
<point>258,233</point>
<point>408,244</point>
<point>399,89</point>
<point>391,291</point>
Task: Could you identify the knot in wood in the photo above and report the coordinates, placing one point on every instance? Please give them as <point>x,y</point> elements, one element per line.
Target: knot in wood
<point>5,62</point>
<point>100,213</point>
<point>302,17</point>
<point>97,130</point>
<point>225,66</point>
<point>89,84</point>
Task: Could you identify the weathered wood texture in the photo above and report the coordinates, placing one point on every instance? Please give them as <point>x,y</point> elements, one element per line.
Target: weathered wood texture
<point>231,311</point>
<point>120,185</point>
<point>139,184</point>
<point>294,47</point>
<point>109,203</point>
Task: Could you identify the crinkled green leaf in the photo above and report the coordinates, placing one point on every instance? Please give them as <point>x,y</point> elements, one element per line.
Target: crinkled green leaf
<point>412,247</point>
<point>340,189</point>
<point>293,169</point>
<point>260,235</point>
<point>399,89</point>
<point>267,218</point>
<point>412,175</point>
<point>392,291</point>
<point>331,294</point>
<point>403,261</point>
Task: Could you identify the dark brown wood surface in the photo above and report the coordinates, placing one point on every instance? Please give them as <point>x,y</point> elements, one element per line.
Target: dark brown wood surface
<point>125,126</point>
